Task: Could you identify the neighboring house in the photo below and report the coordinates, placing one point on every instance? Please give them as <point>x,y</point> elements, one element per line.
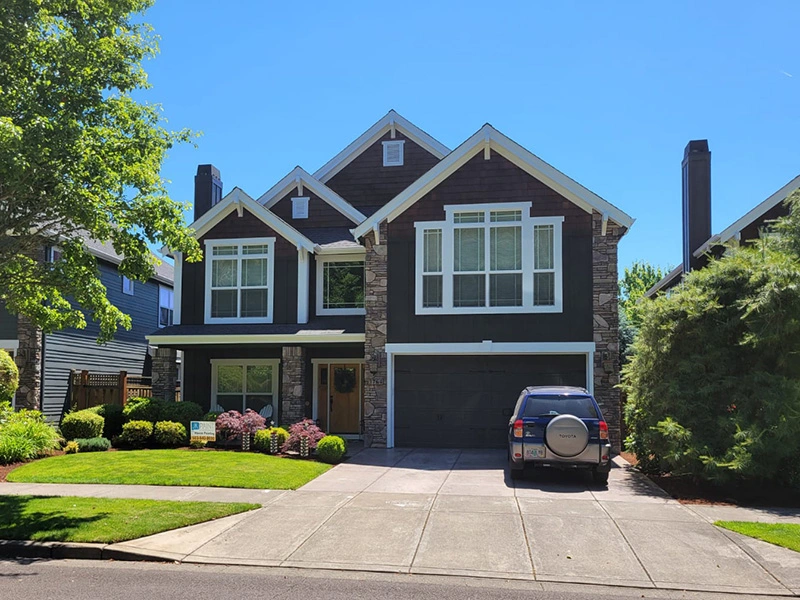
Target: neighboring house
<point>697,242</point>
<point>45,360</point>
<point>404,293</point>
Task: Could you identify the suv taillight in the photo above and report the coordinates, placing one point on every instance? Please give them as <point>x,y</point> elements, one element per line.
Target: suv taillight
<point>518,428</point>
<point>603,430</point>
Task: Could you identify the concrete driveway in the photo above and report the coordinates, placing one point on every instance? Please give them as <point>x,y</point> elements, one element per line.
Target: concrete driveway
<point>458,512</point>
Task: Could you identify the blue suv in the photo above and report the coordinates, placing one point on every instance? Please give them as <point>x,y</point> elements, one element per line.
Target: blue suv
<point>558,427</point>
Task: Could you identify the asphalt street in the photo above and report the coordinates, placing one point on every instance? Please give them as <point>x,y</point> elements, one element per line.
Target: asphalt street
<point>90,580</point>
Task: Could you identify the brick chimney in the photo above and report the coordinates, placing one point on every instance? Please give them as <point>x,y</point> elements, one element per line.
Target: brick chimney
<point>696,200</point>
<point>207,189</point>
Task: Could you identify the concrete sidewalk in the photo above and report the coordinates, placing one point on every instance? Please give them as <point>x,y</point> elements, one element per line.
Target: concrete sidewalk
<point>456,512</point>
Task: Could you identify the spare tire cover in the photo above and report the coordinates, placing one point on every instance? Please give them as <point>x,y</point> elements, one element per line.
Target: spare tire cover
<point>566,435</point>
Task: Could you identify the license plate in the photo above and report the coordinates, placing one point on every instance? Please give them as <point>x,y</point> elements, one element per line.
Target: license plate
<point>534,452</point>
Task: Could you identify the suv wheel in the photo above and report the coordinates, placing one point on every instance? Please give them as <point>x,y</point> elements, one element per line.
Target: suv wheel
<point>600,477</point>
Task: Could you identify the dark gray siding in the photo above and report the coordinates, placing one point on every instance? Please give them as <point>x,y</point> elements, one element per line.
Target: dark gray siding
<point>78,349</point>
<point>466,401</point>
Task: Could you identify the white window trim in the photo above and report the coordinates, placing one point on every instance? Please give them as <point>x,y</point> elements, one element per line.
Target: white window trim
<point>209,246</point>
<point>130,281</point>
<point>401,145</point>
<point>448,226</point>
<point>321,260</point>
<point>158,316</point>
<point>297,203</point>
<point>244,363</point>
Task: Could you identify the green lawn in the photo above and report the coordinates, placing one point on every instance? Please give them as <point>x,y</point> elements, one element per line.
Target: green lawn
<point>780,534</point>
<point>172,467</point>
<point>105,520</point>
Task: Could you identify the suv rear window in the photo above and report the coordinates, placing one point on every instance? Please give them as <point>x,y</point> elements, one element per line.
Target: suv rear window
<point>545,406</point>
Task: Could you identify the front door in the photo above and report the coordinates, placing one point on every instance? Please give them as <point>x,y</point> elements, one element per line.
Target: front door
<point>344,401</point>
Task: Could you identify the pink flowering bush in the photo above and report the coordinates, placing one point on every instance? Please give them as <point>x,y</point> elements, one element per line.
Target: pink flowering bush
<point>233,423</point>
<point>305,428</point>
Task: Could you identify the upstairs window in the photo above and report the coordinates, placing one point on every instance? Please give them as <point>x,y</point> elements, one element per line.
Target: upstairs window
<point>127,286</point>
<point>489,259</point>
<point>165,308</point>
<point>393,153</point>
<point>340,285</point>
<point>239,276</point>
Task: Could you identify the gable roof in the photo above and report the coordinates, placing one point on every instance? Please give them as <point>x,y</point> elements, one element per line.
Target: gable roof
<point>488,138</point>
<point>163,272</point>
<point>238,200</point>
<point>299,176</point>
<point>753,215</point>
<point>392,120</point>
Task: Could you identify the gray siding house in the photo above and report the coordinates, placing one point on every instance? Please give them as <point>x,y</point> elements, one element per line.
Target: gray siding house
<point>45,360</point>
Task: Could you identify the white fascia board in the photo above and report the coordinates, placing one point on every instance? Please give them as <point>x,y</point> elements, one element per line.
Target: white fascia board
<point>294,338</point>
<point>9,344</point>
<point>490,347</point>
<point>512,151</point>
<point>299,175</point>
<point>663,281</point>
<point>323,251</point>
<point>237,199</point>
<point>757,212</point>
<point>372,135</point>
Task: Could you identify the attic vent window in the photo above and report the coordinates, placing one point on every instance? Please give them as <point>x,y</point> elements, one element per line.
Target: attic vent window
<point>300,208</point>
<point>393,153</point>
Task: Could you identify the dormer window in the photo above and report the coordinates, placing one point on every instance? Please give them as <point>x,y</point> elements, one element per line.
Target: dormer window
<point>300,208</point>
<point>393,153</point>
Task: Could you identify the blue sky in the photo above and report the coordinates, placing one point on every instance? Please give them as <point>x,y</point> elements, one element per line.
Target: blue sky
<point>609,93</point>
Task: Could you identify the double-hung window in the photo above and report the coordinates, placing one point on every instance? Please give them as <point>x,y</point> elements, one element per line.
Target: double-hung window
<point>489,258</point>
<point>340,285</point>
<point>165,306</point>
<point>239,280</point>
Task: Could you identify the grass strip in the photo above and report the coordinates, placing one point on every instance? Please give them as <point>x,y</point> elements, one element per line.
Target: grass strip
<point>173,467</point>
<point>780,534</point>
<point>102,520</point>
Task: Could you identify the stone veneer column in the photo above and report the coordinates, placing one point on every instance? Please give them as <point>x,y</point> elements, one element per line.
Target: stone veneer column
<point>165,373</point>
<point>606,324</point>
<point>29,362</point>
<point>293,384</point>
<point>375,303</point>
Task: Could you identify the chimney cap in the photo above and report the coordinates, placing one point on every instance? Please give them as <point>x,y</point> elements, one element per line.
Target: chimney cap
<point>695,147</point>
<point>208,170</point>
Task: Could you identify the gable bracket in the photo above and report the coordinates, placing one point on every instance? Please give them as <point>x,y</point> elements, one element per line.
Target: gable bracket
<point>392,128</point>
<point>487,147</point>
<point>604,226</point>
<point>376,231</point>
<point>237,200</point>
<point>299,183</point>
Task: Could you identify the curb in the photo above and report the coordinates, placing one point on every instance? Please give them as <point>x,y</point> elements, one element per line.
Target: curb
<point>74,550</point>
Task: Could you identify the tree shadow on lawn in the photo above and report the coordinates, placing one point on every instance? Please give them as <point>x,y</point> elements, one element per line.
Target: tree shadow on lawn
<point>18,523</point>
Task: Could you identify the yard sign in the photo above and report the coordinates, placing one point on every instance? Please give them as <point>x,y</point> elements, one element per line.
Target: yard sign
<point>203,431</point>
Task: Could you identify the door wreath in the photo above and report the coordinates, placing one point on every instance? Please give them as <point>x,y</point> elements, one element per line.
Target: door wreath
<point>344,380</point>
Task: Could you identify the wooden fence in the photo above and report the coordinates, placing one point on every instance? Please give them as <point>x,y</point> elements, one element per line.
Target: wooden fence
<point>92,389</point>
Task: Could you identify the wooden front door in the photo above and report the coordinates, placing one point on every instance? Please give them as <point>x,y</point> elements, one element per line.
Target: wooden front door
<point>344,398</point>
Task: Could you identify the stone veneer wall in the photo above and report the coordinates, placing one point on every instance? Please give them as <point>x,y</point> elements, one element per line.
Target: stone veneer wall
<point>606,324</point>
<point>29,362</point>
<point>165,373</point>
<point>375,303</point>
<point>293,388</point>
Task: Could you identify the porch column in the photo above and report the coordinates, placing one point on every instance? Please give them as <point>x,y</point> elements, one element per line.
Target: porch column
<point>165,373</point>
<point>29,362</point>
<point>293,384</point>
<point>375,303</point>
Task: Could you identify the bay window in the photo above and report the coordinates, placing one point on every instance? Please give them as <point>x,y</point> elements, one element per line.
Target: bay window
<point>239,276</point>
<point>489,258</point>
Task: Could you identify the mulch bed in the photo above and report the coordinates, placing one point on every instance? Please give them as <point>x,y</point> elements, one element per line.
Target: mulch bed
<point>688,491</point>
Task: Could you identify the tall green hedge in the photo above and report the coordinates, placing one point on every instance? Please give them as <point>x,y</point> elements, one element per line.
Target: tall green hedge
<point>714,380</point>
<point>9,377</point>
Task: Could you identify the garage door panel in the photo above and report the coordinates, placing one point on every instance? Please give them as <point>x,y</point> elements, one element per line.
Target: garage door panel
<point>466,401</point>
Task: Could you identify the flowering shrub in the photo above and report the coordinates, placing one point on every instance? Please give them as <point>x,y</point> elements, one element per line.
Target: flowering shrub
<point>305,428</point>
<point>233,423</point>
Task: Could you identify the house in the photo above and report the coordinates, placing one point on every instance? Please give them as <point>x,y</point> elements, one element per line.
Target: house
<point>46,359</point>
<point>403,292</point>
<point>697,242</point>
